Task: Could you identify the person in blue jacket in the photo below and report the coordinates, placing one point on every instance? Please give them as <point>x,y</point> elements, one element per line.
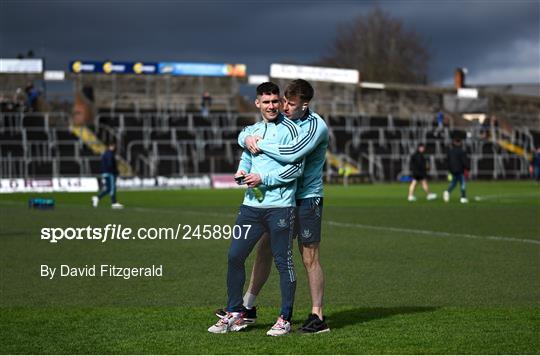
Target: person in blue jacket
<point>109,172</point>
<point>534,167</point>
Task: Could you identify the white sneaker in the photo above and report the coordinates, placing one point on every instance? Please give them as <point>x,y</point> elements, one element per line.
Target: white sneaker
<point>95,201</point>
<point>411,198</point>
<point>281,327</point>
<point>446,196</point>
<point>117,206</point>
<point>464,200</point>
<point>431,196</point>
<point>231,322</point>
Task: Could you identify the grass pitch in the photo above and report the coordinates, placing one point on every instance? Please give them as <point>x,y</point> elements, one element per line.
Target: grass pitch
<point>423,277</point>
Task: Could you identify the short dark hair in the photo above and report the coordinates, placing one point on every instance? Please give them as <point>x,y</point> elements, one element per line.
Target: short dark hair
<point>299,88</point>
<point>267,88</point>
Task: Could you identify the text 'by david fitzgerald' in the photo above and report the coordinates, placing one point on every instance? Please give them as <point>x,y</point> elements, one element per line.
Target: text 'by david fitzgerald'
<point>103,270</point>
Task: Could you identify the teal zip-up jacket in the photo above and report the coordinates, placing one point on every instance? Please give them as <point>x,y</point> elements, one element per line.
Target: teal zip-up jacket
<point>278,178</point>
<point>311,144</point>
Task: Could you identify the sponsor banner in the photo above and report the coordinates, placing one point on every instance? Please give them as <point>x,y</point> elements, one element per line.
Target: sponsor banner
<point>257,79</point>
<point>54,75</point>
<point>173,68</point>
<point>224,181</point>
<point>471,93</point>
<point>90,184</point>
<point>203,69</point>
<point>21,185</point>
<point>164,182</point>
<point>144,68</point>
<point>323,74</point>
<point>26,65</point>
<point>370,85</point>
<point>135,183</point>
<point>113,67</point>
<point>85,67</point>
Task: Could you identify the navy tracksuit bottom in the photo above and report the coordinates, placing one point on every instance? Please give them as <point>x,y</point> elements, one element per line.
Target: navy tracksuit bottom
<point>279,222</point>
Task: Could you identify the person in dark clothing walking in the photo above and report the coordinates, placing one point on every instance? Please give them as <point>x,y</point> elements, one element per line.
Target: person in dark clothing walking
<point>458,164</point>
<point>534,167</point>
<point>109,172</point>
<point>418,167</point>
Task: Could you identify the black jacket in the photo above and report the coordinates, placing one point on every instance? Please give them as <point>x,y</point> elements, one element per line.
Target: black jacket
<point>458,161</point>
<point>418,164</point>
<point>108,163</point>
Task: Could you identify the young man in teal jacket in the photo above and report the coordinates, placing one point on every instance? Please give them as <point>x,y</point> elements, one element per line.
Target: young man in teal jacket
<point>268,208</point>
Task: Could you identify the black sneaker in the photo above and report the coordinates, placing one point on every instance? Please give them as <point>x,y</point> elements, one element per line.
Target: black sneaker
<point>250,315</point>
<point>314,325</point>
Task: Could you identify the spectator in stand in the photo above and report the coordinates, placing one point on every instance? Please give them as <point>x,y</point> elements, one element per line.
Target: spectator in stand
<point>109,172</point>
<point>419,172</point>
<point>484,128</point>
<point>440,122</point>
<point>458,165</point>
<point>534,168</point>
<point>206,103</point>
<point>19,100</point>
<point>32,95</point>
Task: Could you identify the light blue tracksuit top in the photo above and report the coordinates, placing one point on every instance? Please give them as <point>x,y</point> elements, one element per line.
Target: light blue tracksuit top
<point>311,144</point>
<point>278,178</point>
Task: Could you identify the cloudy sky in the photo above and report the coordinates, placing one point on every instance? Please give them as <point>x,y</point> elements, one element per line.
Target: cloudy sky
<point>498,41</point>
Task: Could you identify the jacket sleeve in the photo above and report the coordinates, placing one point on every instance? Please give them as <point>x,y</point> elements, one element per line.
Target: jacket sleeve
<point>245,162</point>
<point>284,175</point>
<point>243,134</point>
<point>299,147</point>
<point>465,160</point>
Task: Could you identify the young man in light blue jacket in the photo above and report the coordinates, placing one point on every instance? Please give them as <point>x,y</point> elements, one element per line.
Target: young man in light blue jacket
<point>268,208</point>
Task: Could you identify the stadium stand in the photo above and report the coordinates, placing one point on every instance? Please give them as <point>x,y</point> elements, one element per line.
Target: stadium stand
<point>176,144</point>
<point>156,122</point>
<point>160,94</point>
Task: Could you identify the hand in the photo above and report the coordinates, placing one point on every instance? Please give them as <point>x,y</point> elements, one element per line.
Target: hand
<point>252,180</point>
<point>251,144</point>
<point>240,173</point>
<point>239,177</point>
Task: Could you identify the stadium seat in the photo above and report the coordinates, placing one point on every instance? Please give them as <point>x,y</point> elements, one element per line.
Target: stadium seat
<point>37,135</point>
<point>40,168</point>
<point>160,135</point>
<point>70,167</point>
<point>132,134</point>
<point>13,149</point>
<point>34,120</point>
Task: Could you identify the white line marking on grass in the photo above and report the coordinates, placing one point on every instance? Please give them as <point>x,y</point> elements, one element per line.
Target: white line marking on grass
<point>385,228</point>
<point>176,211</point>
<point>511,197</point>
<point>396,229</point>
<point>434,233</point>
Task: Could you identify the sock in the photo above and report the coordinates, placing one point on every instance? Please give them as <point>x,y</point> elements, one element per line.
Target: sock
<point>249,300</point>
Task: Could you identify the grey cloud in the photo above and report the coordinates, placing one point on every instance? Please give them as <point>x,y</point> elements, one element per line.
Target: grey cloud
<point>475,34</point>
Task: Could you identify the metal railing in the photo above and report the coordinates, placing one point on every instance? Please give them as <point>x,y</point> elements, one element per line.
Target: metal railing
<point>383,152</point>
